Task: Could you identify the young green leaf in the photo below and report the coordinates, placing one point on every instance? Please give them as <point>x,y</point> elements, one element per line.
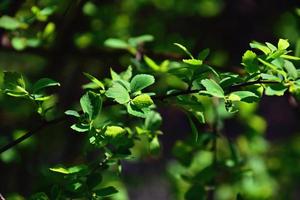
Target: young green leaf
<point>114,131</point>
<point>153,121</point>
<point>151,63</point>
<point>94,80</point>
<point>9,23</point>
<point>184,49</point>
<point>289,57</point>
<point>270,77</point>
<point>19,43</point>
<point>141,81</point>
<point>212,88</point>
<point>261,47</point>
<point>249,61</point>
<point>142,101</point>
<point>44,83</point>
<point>70,170</point>
<point>291,69</point>
<point>116,43</point>
<point>114,75</point>
<point>91,104</point>
<point>118,92</point>
<point>271,46</point>
<point>135,41</point>
<point>271,66</point>
<point>245,96</point>
<point>72,113</point>
<point>275,89</point>
<point>193,61</point>
<point>154,146</point>
<point>61,170</point>
<point>283,44</point>
<point>107,191</point>
<point>14,84</point>
<point>133,110</point>
<point>203,54</point>
<point>126,75</point>
<point>80,127</point>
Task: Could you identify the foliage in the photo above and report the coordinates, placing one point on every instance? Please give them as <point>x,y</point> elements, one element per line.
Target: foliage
<point>270,70</point>
<point>118,117</point>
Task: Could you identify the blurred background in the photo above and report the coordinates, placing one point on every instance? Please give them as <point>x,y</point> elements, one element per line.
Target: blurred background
<point>61,39</point>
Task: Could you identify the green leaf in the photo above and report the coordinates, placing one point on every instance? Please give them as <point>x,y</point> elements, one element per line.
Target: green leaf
<point>133,110</point>
<point>9,23</point>
<point>184,49</point>
<point>80,127</point>
<point>154,146</point>
<point>275,89</point>
<point>135,41</point>
<point>114,131</point>
<point>116,43</point>
<point>195,133</point>
<point>245,96</point>
<point>107,191</point>
<point>126,75</point>
<point>249,61</point>
<point>271,66</point>
<point>291,69</point>
<point>278,62</point>
<point>72,113</point>
<point>270,77</point>
<point>114,75</point>
<point>44,83</point>
<point>14,84</point>
<point>118,92</point>
<point>261,47</point>
<point>19,43</point>
<point>70,170</point>
<point>212,88</point>
<point>271,46</point>
<point>203,54</point>
<point>61,170</point>
<point>141,81</point>
<point>91,104</point>
<point>192,61</point>
<point>94,80</point>
<point>142,101</point>
<point>289,57</point>
<point>151,63</point>
<point>153,121</point>
<point>283,44</point>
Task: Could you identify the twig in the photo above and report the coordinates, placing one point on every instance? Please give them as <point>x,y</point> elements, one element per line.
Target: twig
<point>31,133</point>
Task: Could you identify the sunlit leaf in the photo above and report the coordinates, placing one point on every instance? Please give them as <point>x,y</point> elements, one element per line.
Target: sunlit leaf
<point>141,81</point>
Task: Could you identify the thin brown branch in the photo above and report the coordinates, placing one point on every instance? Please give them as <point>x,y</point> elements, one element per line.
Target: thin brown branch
<point>31,133</point>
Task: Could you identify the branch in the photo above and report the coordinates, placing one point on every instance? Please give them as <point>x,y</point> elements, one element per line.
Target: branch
<point>156,97</point>
<point>259,81</point>
<point>31,133</point>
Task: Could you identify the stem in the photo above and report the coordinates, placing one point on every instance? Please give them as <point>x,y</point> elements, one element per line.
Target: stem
<point>31,133</point>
